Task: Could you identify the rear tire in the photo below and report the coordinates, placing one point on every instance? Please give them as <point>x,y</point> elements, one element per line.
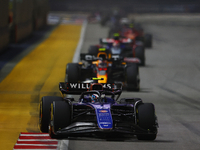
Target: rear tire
<point>60,117</point>
<point>44,117</point>
<point>72,72</point>
<point>140,53</point>
<point>147,120</point>
<point>93,50</point>
<point>132,77</point>
<point>148,40</point>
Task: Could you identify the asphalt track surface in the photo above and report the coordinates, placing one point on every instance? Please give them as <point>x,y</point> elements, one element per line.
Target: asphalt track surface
<point>170,80</point>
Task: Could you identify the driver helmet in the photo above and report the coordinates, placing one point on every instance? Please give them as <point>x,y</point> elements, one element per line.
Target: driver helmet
<point>116,44</point>
<point>116,36</point>
<point>116,48</point>
<point>94,98</point>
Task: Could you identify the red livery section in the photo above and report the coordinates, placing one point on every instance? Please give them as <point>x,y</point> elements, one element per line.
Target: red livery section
<point>33,141</point>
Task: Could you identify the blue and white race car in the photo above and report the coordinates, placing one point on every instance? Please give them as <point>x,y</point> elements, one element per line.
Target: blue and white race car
<point>96,112</point>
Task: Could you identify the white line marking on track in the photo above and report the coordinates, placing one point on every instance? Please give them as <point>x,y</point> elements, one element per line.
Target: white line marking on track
<point>63,144</point>
<point>80,43</point>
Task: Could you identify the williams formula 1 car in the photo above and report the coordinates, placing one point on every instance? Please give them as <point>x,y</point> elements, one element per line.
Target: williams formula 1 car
<point>97,112</point>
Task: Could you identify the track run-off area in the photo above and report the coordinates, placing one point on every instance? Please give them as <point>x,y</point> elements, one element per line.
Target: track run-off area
<point>170,80</point>
<point>34,76</point>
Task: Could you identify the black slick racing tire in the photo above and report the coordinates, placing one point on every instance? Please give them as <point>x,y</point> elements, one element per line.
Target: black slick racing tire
<point>132,77</point>
<point>72,72</point>
<point>93,50</point>
<point>148,40</point>
<point>60,117</point>
<point>44,114</point>
<point>140,53</point>
<point>147,120</point>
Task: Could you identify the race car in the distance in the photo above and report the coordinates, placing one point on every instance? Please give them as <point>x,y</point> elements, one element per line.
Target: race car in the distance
<point>130,29</point>
<point>112,68</point>
<point>122,46</point>
<point>97,112</point>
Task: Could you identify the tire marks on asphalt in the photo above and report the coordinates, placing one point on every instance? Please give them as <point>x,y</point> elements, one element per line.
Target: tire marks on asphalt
<point>188,99</point>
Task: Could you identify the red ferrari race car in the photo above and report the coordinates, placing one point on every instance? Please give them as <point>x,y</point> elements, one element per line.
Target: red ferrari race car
<point>132,30</point>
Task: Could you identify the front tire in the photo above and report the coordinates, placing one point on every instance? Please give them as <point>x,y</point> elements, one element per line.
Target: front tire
<point>44,117</point>
<point>60,117</point>
<point>147,120</point>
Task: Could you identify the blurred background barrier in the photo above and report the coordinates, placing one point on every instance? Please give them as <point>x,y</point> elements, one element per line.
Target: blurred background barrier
<point>4,32</point>
<point>19,18</point>
<point>131,6</point>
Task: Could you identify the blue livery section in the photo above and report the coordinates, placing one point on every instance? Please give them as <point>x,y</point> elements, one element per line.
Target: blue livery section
<point>104,118</point>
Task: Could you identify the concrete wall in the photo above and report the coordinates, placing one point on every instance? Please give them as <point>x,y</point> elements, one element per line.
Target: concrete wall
<point>23,10</point>
<point>19,18</point>
<point>4,30</point>
<point>40,12</point>
<point>29,15</point>
<point>131,6</point>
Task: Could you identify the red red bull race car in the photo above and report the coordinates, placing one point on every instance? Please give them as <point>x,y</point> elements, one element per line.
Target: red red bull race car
<point>111,68</point>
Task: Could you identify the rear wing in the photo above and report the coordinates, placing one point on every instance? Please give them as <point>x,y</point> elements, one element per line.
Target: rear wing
<point>88,57</point>
<point>114,58</point>
<point>93,57</point>
<point>110,41</point>
<point>106,41</point>
<point>76,88</point>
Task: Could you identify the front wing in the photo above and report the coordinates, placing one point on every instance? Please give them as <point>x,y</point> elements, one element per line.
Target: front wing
<point>89,128</point>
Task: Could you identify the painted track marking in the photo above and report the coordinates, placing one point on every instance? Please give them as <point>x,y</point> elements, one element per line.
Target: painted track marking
<point>29,141</point>
<point>42,141</point>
